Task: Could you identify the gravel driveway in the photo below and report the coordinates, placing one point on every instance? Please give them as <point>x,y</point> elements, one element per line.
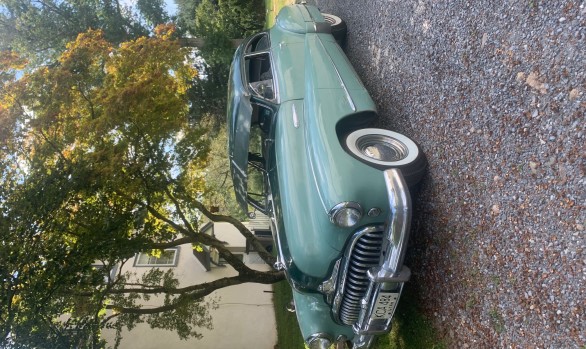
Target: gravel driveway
<point>495,94</point>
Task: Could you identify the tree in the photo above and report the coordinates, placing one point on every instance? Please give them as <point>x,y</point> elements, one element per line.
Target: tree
<point>99,161</point>
<point>217,27</point>
<point>41,28</point>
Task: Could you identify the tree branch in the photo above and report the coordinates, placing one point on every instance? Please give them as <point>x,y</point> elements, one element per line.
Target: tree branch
<point>174,243</point>
<point>198,237</point>
<point>266,257</point>
<point>179,210</point>
<point>195,292</point>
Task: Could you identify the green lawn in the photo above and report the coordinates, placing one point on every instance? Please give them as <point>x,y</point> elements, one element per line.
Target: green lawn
<point>411,329</point>
<point>288,333</point>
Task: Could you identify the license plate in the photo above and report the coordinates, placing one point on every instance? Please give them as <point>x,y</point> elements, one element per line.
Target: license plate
<point>384,305</point>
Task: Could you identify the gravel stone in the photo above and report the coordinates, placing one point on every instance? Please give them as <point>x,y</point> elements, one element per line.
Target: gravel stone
<point>494,92</point>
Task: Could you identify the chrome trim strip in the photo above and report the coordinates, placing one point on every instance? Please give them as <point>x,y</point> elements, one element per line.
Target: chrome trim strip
<point>314,174</point>
<point>242,172</point>
<point>277,99</point>
<point>328,287</point>
<point>362,341</point>
<point>281,264</point>
<point>295,116</point>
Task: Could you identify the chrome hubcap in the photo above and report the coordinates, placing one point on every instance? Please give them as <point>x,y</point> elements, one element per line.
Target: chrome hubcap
<point>382,148</point>
<point>329,20</point>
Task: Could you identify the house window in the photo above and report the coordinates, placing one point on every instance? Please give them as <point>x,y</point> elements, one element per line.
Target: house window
<point>222,261</point>
<point>167,258</point>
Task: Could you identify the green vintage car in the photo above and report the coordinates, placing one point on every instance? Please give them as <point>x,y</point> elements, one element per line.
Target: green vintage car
<point>303,152</point>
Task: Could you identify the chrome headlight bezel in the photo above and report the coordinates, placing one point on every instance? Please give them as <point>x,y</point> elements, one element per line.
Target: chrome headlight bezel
<point>319,341</point>
<point>346,214</point>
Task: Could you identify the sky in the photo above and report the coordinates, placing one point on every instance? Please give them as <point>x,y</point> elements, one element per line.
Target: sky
<point>171,7</point>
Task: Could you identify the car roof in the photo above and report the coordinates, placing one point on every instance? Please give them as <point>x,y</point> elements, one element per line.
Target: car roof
<point>239,120</point>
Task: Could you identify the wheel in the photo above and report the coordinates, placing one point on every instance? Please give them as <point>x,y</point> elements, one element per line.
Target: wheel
<point>339,28</point>
<point>384,149</point>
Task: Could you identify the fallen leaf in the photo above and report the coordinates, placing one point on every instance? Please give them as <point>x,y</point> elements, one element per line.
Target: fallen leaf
<point>533,82</point>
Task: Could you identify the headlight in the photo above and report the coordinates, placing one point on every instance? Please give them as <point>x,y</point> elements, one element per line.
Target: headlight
<point>346,214</point>
<point>319,341</point>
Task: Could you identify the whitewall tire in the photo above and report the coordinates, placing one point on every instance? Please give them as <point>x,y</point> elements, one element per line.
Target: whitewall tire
<point>385,149</point>
<point>339,28</point>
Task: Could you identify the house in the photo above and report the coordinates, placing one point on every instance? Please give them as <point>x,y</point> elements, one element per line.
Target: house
<point>245,317</point>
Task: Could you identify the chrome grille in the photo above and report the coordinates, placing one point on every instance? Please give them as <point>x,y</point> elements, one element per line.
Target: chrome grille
<point>364,254</point>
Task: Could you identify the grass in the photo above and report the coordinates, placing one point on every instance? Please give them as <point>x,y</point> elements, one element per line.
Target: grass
<point>411,329</point>
<point>288,333</point>
<point>497,321</point>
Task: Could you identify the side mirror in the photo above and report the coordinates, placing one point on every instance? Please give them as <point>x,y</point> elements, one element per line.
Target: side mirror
<point>251,215</point>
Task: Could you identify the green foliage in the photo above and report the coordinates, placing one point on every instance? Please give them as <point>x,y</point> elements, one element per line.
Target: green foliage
<point>100,158</point>
<point>41,29</point>
<point>152,11</point>
<point>233,18</point>
<point>186,13</point>
<point>210,23</point>
<point>497,320</point>
<point>239,18</point>
<point>94,177</point>
<point>218,182</point>
<point>219,22</point>
<point>210,92</point>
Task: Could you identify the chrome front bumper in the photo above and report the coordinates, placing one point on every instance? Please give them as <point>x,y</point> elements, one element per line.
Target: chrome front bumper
<point>390,275</point>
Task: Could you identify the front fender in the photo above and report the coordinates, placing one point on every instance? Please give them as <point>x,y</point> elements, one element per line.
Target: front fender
<point>302,19</point>
<point>305,223</point>
<point>314,174</point>
<point>313,316</point>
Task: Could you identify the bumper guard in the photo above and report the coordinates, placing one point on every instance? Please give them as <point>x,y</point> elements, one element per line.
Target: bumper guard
<point>390,275</point>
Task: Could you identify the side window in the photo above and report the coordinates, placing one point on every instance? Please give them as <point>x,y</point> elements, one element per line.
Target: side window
<point>257,62</point>
<point>259,130</point>
<point>260,76</point>
<point>261,117</point>
<point>258,44</point>
<point>262,44</point>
